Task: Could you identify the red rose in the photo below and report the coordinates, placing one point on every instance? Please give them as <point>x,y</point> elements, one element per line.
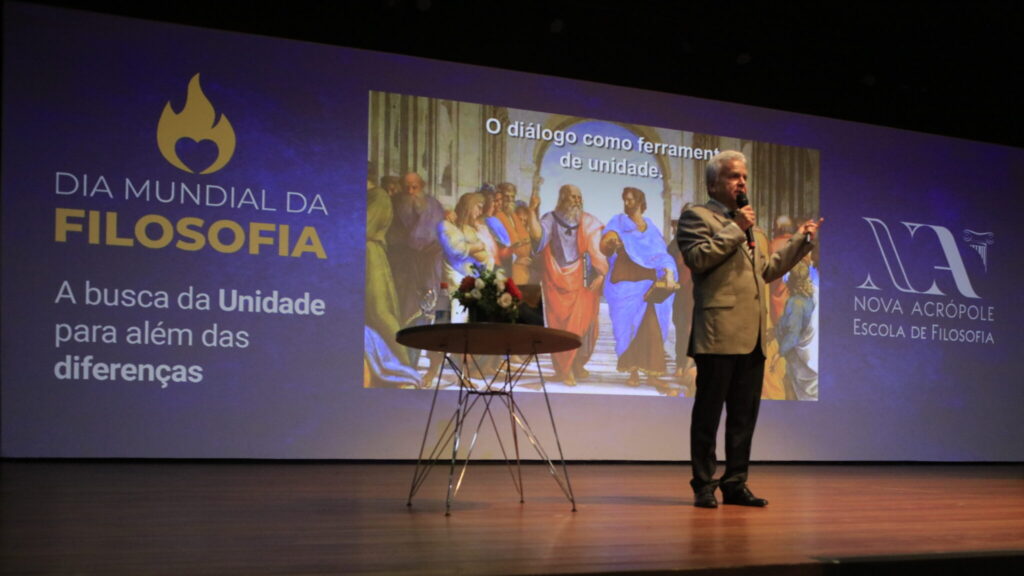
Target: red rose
<point>512,289</point>
<point>468,283</point>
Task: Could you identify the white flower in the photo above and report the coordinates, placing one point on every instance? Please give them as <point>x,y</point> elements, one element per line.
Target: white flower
<point>505,300</point>
<point>479,286</point>
<point>475,293</point>
<point>500,285</point>
<point>499,276</point>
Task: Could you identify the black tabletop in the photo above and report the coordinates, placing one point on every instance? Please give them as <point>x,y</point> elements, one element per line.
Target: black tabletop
<point>488,338</point>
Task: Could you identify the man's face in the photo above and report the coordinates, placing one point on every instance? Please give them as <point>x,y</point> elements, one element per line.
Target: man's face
<point>413,185</point>
<point>522,215</point>
<point>732,180</point>
<point>572,199</point>
<point>630,204</point>
<point>510,202</point>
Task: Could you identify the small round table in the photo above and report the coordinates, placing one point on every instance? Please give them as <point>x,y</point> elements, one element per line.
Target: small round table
<point>466,341</point>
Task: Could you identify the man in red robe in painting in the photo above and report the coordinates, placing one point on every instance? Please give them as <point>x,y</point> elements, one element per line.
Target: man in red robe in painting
<point>567,240</point>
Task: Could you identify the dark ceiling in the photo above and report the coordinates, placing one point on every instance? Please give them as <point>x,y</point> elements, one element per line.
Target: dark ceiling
<point>950,68</point>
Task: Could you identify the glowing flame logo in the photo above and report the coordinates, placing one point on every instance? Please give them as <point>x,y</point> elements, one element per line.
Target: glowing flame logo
<point>197,121</point>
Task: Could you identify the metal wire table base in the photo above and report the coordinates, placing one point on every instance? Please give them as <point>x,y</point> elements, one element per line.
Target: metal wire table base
<point>491,394</point>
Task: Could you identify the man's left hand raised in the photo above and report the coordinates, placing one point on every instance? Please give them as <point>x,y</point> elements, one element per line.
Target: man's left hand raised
<point>810,229</point>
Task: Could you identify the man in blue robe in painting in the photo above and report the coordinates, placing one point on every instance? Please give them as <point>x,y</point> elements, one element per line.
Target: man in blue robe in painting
<point>640,288</point>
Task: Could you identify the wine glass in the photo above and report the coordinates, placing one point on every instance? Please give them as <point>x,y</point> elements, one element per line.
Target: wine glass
<point>427,304</point>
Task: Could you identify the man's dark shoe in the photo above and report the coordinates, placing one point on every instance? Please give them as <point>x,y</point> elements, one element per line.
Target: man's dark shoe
<point>705,498</point>
<point>742,497</point>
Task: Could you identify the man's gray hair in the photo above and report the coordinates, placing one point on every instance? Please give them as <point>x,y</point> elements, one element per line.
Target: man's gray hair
<point>714,167</point>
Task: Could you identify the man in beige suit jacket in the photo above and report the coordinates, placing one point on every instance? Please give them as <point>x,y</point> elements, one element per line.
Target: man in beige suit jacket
<point>728,258</point>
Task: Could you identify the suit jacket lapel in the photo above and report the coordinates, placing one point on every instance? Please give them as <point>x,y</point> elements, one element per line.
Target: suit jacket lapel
<point>719,211</point>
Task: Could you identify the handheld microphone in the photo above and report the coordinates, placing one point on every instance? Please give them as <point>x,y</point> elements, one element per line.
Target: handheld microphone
<point>741,201</point>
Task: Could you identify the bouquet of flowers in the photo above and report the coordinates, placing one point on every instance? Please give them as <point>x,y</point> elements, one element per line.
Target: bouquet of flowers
<point>489,296</point>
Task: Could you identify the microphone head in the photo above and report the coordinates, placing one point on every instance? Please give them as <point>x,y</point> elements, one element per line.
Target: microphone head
<point>742,200</point>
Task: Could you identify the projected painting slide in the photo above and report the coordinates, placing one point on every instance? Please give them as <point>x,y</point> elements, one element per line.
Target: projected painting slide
<point>587,209</point>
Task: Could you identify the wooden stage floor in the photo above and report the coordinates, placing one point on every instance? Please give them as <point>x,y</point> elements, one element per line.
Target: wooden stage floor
<point>187,517</point>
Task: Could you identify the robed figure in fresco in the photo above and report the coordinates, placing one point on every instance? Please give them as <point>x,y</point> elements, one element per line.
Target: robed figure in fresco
<point>639,289</point>
<point>386,362</point>
<point>567,240</point>
<point>381,298</point>
<point>464,250</point>
<point>518,232</point>
<point>795,332</point>
<point>414,251</point>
